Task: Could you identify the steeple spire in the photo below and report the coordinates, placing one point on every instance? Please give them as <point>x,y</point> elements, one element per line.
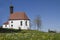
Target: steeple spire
<point>11,7</point>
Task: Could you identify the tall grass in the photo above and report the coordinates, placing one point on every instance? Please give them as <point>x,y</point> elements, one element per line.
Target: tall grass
<point>29,35</point>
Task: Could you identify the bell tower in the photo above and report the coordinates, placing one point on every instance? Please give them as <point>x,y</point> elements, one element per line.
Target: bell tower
<point>11,7</point>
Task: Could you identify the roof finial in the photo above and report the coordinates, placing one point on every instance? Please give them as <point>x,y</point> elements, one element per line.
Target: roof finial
<point>10,2</point>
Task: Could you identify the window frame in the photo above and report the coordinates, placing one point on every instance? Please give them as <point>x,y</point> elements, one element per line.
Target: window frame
<point>21,23</point>
<point>11,25</point>
<point>11,21</point>
<point>5,25</point>
<point>26,23</point>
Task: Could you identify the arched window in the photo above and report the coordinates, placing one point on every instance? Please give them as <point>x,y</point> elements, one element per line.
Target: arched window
<point>11,25</point>
<point>21,23</point>
<point>5,25</point>
<point>11,21</point>
<point>26,23</point>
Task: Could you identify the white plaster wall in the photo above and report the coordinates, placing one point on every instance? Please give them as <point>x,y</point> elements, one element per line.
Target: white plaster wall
<point>5,27</point>
<point>16,24</point>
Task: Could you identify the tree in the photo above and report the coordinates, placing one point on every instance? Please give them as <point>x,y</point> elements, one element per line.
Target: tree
<point>37,22</point>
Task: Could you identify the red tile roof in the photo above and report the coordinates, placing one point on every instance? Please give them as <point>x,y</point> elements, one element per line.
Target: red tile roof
<point>6,23</point>
<point>18,16</point>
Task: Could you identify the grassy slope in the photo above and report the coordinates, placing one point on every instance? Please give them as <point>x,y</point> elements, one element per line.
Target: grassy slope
<point>29,35</point>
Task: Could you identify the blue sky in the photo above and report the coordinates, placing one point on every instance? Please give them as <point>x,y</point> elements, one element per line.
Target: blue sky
<point>49,10</point>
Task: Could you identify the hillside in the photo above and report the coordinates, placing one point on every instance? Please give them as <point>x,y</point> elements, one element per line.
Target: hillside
<point>29,35</point>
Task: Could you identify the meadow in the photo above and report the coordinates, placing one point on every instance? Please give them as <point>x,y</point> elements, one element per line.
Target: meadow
<point>29,35</point>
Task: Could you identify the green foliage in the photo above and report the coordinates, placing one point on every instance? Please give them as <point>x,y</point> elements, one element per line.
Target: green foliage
<point>29,35</point>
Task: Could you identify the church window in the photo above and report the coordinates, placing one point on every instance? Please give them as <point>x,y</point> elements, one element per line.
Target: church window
<point>21,23</point>
<point>5,25</point>
<point>11,21</point>
<point>11,25</point>
<point>26,23</point>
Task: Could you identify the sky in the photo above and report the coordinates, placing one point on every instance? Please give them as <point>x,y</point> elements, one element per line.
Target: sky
<point>49,11</point>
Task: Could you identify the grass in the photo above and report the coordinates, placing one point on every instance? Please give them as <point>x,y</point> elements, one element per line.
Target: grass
<point>29,35</point>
